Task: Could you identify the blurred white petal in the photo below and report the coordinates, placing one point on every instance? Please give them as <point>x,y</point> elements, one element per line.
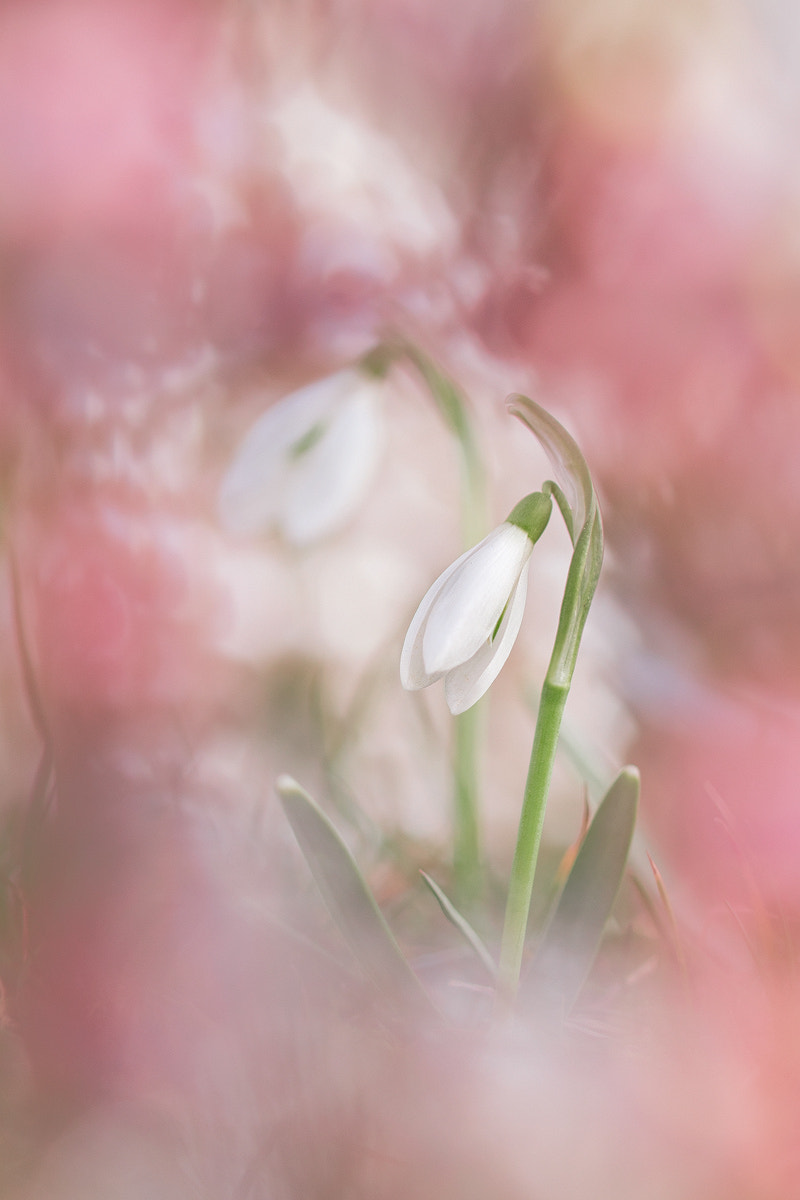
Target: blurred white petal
<point>328,481</point>
<point>306,463</point>
<point>342,166</point>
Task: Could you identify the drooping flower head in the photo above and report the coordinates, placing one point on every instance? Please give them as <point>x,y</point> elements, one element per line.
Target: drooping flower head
<point>468,621</point>
<point>304,466</point>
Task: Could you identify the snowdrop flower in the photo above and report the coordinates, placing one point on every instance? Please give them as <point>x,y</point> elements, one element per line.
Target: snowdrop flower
<point>468,621</point>
<point>306,463</point>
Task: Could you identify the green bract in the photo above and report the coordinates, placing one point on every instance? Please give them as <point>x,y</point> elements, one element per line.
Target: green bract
<point>575,495</point>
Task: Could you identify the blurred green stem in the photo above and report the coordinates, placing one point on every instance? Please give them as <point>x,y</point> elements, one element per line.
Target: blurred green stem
<point>467,857</point>
<point>467,869</point>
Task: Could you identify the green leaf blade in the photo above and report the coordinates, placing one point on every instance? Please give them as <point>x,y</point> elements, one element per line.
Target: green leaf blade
<point>347,896</point>
<point>573,936</point>
<point>463,926</point>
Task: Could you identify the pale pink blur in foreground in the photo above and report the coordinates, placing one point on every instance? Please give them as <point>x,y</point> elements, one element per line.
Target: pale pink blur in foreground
<point>204,206</point>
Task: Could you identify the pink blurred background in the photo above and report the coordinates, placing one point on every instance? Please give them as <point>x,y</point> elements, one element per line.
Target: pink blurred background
<point>204,205</point>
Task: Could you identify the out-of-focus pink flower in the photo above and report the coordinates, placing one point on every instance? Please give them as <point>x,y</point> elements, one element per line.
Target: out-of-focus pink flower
<point>721,798</point>
<point>95,111</point>
<point>122,614</point>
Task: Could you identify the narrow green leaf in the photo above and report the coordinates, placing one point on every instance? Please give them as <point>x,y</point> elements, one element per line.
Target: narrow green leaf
<point>346,894</point>
<point>462,925</point>
<point>573,935</point>
<point>674,933</point>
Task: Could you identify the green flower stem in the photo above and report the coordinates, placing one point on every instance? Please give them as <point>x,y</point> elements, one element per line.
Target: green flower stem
<point>581,582</point>
<point>467,870</point>
<point>543,753</point>
<point>582,518</point>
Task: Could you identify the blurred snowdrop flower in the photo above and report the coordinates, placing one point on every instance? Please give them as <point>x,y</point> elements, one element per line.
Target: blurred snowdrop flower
<point>469,619</point>
<point>306,463</point>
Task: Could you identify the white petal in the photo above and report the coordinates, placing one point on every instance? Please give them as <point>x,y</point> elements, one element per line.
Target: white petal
<point>471,601</point>
<point>327,482</point>
<point>464,685</point>
<point>253,489</point>
<point>412,669</point>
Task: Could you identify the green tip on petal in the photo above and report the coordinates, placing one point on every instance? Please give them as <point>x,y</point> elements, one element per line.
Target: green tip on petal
<point>532,514</point>
<point>377,361</point>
